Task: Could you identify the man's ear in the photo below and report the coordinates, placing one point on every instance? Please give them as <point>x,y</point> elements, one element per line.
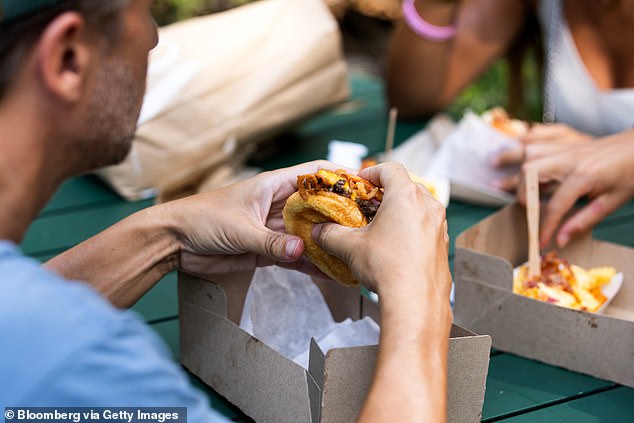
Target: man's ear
<point>65,56</point>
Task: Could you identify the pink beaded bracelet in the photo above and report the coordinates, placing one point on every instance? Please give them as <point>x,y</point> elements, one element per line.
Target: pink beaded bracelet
<point>423,28</point>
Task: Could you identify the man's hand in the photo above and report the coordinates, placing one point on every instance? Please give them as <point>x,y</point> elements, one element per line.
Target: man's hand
<point>402,254</point>
<point>240,226</point>
<point>410,221</point>
<point>229,230</point>
<point>602,170</point>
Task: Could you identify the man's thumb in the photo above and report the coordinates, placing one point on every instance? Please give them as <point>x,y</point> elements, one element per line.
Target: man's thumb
<point>278,246</point>
<point>334,239</point>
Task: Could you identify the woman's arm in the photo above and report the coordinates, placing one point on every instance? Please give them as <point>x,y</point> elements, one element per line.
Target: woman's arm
<point>423,76</point>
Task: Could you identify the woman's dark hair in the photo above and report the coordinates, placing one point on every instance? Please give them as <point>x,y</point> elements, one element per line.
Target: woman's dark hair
<point>528,46</point>
<point>18,36</point>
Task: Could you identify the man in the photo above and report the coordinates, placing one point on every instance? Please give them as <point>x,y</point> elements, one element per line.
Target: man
<point>72,76</point>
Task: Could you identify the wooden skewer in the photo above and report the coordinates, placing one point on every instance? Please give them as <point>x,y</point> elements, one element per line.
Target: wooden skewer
<point>532,216</point>
<point>389,138</point>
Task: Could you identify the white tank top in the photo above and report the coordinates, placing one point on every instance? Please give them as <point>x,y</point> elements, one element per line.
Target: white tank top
<point>570,94</point>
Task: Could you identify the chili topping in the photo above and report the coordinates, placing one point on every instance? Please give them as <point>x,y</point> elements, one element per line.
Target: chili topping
<point>367,196</point>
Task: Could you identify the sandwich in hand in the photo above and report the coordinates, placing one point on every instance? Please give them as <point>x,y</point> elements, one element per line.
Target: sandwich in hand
<point>327,196</point>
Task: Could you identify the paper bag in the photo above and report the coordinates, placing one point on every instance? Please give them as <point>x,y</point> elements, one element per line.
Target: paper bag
<point>218,84</point>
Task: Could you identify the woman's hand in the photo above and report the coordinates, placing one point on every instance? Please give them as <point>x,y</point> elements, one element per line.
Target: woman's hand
<point>540,141</point>
<point>602,170</point>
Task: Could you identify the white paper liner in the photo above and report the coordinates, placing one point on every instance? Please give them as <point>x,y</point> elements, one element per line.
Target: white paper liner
<point>465,158</point>
<point>285,309</point>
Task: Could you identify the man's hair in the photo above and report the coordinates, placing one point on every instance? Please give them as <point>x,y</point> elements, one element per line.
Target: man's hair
<point>18,37</point>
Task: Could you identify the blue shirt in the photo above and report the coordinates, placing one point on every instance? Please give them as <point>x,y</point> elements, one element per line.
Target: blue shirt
<point>62,344</point>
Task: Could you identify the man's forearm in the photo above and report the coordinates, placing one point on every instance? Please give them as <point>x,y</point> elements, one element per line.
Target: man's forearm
<point>410,380</point>
<point>124,261</point>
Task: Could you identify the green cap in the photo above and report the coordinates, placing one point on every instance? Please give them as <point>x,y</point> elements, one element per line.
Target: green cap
<point>13,9</point>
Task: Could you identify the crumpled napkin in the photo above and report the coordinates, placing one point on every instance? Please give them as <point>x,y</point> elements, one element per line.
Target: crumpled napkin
<point>465,158</point>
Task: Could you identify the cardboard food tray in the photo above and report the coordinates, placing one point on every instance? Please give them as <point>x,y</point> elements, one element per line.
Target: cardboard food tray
<point>271,388</point>
<point>601,345</point>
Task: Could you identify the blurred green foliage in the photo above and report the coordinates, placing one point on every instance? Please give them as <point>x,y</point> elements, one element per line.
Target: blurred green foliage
<point>169,11</point>
<point>491,90</point>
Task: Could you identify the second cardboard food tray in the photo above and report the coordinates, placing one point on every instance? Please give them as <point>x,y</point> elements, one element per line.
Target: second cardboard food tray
<point>598,344</point>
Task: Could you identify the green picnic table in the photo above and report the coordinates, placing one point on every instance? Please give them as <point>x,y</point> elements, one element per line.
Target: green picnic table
<point>518,389</point>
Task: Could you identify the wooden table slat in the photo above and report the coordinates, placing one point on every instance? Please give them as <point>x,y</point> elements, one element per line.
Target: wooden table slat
<point>161,302</point>
<point>515,383</point>
<point>614,405</point>
<point>622,233</point>
<point>82,191</point>
<point>55,233</point>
